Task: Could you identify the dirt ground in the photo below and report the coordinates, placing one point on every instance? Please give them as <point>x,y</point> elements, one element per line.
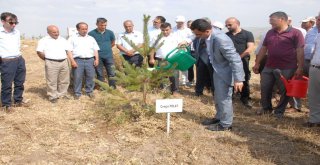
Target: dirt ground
<point>72,132</point>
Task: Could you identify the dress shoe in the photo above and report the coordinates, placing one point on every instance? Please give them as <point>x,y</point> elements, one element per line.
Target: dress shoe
<point>263,112</point>
<point>309,124</point>
<point>21,104</point>
<point>247,103</point>
<point>77,97</point>
<point>7,109</point>
<point>210,121</point>
<point>91,95</point>
<point>218,127</point>
<point>198,94</point>
<point>55,100</point>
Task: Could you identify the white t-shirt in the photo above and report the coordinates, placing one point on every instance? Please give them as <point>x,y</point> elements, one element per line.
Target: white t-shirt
<point>83,47</point>
<point>136,37</point>
<point>169,43</point>
<point>54,48</point>
<point>9,43</point>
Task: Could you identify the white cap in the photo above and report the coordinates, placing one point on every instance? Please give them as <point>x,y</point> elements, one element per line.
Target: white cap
<point>180,18</point>
<point>218,24</point>
<point>309,19</point>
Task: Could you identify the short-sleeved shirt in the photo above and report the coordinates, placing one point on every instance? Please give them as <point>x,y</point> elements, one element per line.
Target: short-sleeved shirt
<point>9,43</point>
<point>169,43</point>
<point>136,37</point>
<point>104,41</point>
<point>83,46</point>
<point>54,49</point>
<point>241,39</point>
<point>282,48</point>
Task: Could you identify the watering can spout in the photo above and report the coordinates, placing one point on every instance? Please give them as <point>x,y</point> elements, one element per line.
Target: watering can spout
<point>285,82</point>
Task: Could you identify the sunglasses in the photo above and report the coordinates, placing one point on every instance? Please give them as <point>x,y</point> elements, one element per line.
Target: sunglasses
<point>11,23</point>
<point>228,25</point>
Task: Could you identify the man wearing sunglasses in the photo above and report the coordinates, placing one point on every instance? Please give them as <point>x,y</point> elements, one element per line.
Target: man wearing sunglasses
<point>13,68</point>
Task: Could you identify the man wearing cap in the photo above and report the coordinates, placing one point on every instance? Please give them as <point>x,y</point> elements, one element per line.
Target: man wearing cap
<point>309,45</point>
<point>308,23</point>
<point>314,81</point>
<point>183,34</point>
<point>244,43</point>
<point>128,53</point>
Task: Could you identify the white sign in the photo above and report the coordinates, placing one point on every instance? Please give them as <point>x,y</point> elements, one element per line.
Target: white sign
<point>169,105</point>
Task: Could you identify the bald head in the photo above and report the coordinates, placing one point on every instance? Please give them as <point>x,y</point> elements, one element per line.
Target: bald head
<point>53,31</point>
<point>128,26</point>
<point>233,24</point>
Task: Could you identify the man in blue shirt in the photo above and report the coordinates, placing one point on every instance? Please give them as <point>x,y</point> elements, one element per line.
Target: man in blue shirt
<point>106,40</point>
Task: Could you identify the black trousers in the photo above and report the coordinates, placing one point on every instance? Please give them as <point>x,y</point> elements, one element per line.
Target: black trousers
<point>245,93</point>
<point>204,77</point>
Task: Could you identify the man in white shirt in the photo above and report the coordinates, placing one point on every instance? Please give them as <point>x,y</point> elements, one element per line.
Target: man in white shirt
<point>13,69</point>
<point>183,34</point>
<point>155,30</point>
<point>85,59</point>
<point>55,50</point>
<point>170,42</point>
<point>314,82</point>
<point>128,53</point>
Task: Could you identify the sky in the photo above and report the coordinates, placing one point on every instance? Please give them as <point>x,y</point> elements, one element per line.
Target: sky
<point>35,15</point>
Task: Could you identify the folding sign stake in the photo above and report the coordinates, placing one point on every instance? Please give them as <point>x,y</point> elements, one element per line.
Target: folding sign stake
<point>167,106</point>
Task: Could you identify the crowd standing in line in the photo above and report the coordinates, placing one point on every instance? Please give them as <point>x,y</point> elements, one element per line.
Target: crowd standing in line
<point>222,60</point>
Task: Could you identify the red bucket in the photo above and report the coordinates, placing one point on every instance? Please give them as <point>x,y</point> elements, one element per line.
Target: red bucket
<point>296,87</point>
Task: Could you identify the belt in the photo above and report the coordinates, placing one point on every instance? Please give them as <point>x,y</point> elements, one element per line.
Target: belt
<point>9,59</point>
<point>316,66</point>
<point>84,58</point>
<point>55,60</point>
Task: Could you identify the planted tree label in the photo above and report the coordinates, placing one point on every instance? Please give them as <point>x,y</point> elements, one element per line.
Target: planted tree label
<point>169,105</point>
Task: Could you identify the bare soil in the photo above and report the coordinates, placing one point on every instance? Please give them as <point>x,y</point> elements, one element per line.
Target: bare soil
<point>73,132</point>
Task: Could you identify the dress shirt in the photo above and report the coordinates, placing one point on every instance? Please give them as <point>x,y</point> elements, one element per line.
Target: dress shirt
<point>54,48</point>
<point>309,42</point>
<point>136,37</point>
<point>184,34</point>
<point>316,56</point>
<point>169,43</point>
<point>9,43</point>
<point>153,32</point>
<point>83,46</point>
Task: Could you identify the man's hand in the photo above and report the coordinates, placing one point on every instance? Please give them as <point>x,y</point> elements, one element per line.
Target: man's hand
<point>299,72</point>
<point>255,68</point>
<point>96,62</point>
<point>151,61</point>
<point>74,64</point>
<point>238,86</point>
<point>130,52</point>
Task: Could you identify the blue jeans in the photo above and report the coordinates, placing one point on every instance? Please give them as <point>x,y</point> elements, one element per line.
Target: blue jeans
<point>84,70</point>
<point>12,71</point>
<point>108,64</point>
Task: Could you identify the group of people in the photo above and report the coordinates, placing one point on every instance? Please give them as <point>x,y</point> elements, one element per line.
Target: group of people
<point>222,60</point>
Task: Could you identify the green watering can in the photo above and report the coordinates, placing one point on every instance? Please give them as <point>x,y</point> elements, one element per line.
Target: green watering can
<point>181,57</point>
